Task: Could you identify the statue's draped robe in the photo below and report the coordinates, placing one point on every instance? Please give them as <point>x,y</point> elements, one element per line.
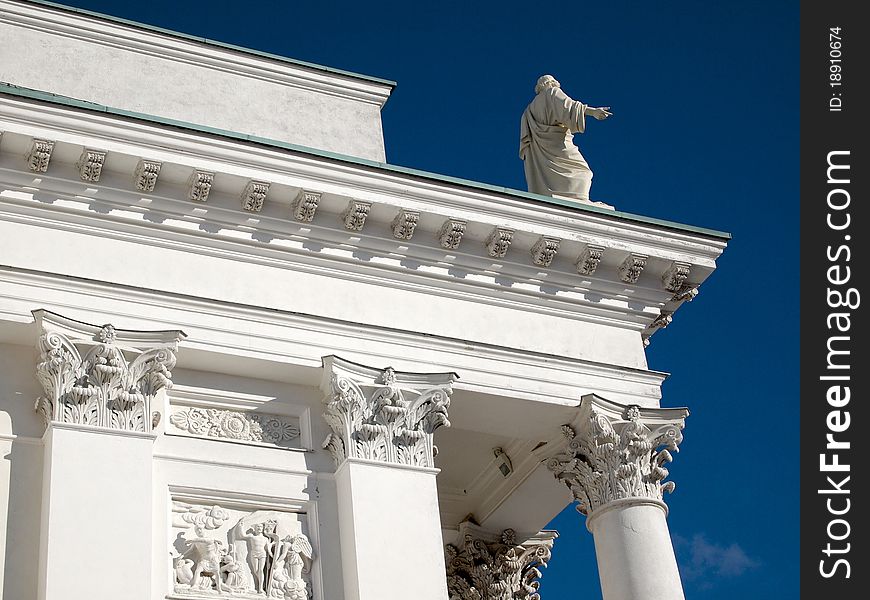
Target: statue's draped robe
<point>553,164</point>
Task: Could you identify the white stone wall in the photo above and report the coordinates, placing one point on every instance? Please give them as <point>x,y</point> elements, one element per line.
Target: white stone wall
<point>123,67</point>
<point>20,473</point>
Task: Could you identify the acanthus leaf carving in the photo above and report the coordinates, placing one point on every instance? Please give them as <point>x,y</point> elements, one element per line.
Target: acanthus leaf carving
<point>90,164</point>
<point>305,205</point>
<point>377,415</point>
<point>404,224</point>
<point>199,185</point>
<point>632,267</point>
<point>614,456</point>
<point>354,215</point>
<point>482,568</point>
<point>675,276</point>
<point>254,195</point>
<point>589,259</point>
<point>499,241</point>
<point>39,155</point>
<point>544,251</point>
<point>146,174</point>
<point>451,232</point>
<point>92,380</point>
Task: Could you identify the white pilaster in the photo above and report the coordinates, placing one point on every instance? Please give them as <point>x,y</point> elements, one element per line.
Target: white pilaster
<point>614,466</point>
<point>382,424</point>
<point>99,386</point>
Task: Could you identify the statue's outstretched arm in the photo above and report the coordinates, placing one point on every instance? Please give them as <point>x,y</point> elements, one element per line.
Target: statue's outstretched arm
<point>599,113</point>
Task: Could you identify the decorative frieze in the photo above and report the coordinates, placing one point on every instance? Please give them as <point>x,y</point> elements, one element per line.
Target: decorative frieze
<point>404,224</point>
<point>383,415</point>
<point>235,426</point>
<point>90,164</point>
<point>632,267</point>
<point>589,259</point>
<point>146,174</point>
<point>305,205</point>
<point>544,251</point>
<point>219,551</point>
<point>618,452</point>
<point>39,155</point>
<point>254,195</point>
<point>101,376</point>
<point>199,185</point>
<point>499,241</point>
<point>354,216</point>
<point>451,232</point>
<point>675,276</point>
<point>486,567</point>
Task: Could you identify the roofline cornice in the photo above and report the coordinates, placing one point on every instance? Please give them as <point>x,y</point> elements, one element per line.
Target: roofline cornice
<point>213,143</point>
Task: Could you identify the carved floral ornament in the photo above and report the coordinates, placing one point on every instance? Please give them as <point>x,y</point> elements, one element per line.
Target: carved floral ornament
<point>500,569</point>
<point>91,378</point>
<point>618,452</point>
<point>235,426</point>
<point>383,415</point>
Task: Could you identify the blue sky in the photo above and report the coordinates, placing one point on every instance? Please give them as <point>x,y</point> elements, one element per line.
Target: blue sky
<point>704,132</point>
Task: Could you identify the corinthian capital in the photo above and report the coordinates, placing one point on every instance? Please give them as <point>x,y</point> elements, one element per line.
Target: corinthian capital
<point>617,452</point>
<point>483,566</point>
<point>383,415</point>
<point>99,375</point>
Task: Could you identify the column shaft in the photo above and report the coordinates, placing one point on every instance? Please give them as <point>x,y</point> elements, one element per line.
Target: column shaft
<point>634,551</point>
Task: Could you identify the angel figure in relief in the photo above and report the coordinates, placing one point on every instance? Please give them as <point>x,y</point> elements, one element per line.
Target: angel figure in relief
<point>292,558</point>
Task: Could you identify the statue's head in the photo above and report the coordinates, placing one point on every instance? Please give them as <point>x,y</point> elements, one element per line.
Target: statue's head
<point>546,82</point>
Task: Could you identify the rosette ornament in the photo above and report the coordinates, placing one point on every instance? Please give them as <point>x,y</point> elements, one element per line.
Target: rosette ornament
<point>100,376</point>
<point>383,415</point>
<point>617,452</point>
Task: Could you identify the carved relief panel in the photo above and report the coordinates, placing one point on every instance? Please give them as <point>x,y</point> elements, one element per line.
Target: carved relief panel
<point>232,550</point>
<point>234,426</point>
<point>239,418</point>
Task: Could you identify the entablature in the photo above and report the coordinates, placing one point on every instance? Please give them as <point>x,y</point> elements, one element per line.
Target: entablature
<point>355,216</point>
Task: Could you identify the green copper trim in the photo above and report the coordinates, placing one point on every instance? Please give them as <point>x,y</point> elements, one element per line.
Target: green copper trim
<point>21,92</point>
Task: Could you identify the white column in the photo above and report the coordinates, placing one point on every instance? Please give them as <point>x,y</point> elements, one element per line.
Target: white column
<point>99,383</point>
<point>390,524</point>
<point>614,466</point>
<point>634,551</point>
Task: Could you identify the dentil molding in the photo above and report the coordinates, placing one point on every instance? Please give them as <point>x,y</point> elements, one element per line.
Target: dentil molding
<point>617,452</point>
<point>383,415</point>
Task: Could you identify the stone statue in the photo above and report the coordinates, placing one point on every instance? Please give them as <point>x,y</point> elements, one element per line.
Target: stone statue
<point>206,553</point>
<point>260,548</point>
<point>286,579</point>
<point>553,164</point>
<point>234,579</point>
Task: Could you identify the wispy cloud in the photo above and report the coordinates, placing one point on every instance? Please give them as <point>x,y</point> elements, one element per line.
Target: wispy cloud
<point>704,561</point>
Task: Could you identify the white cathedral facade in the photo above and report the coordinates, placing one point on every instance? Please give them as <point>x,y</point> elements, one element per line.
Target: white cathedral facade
<point>242,357</point>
